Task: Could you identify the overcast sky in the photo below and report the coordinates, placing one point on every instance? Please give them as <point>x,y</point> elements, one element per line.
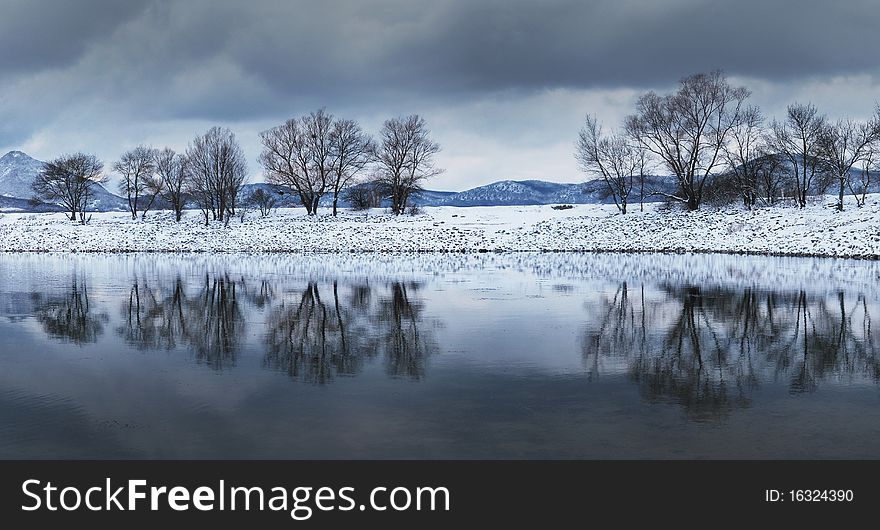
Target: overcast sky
<point>503,84</point>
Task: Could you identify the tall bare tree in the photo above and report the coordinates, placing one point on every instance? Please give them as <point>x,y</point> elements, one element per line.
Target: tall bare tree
<point>797,139</point>
<point>844,144</point>
<point>772,177</point>
<point>746,155</point>
<point>172,172</point>
<point>217,171</point>
<point>136,167</point>
<point>615,158</point>
<point>868,168</point>
<point>352,150</point>
<point>405,158</point>
<point>687,129</point>
<point>69,180</point>
<point>299,154</point>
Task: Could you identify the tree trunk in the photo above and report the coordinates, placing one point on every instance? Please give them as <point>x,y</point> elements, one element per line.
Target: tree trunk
<point>335,200</point>
<point>840,195</point>
<point>692,204</point>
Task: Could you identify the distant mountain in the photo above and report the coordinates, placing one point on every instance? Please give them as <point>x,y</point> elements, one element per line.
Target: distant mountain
<point>11,204</point>
<point>433,197</point>
<point>525,192</point>
<point>520,192</point>
<point>503,193</point>
<point>18,172</point>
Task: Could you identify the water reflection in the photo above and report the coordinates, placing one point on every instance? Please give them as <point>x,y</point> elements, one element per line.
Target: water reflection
<point>317,339</point>
<point>313,333</point>
<point>515,356</point>
<point>208,320</point>
<point>69,317</point>
<point>708,349</point>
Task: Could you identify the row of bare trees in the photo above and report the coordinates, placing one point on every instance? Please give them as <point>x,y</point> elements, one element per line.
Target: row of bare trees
<point>210,173</point>
<point>718,147</point>
<point>319,154</point>
<point>314,155</point>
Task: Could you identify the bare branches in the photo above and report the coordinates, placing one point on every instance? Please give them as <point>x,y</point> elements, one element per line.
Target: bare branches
<point>263,201</point>
<point>614,158</point>
<point>752,167</point>
<point>172,172</point>
<point>844,144</point>
<point>217,171</point>
<point>136,167</point>
<point>687,130</point>
<point>405,158</point>
<point>299,154</point>
<point>797,139</point>
<point>352,151</point>
<point>69,181</point>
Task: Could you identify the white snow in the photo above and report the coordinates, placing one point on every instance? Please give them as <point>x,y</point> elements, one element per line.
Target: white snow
<point>817,230</point>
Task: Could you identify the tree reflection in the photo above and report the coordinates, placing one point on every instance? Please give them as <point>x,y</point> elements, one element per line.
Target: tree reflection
<point>208,320</point>
<point>708,349</point>
<point>317,338</point>
<point>69,317</point>
<point>400,318</point>
<point>307,339</point>
<point>325,330</point>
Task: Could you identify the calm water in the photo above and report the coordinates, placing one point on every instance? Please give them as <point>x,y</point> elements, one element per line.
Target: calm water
<point>438,356</point>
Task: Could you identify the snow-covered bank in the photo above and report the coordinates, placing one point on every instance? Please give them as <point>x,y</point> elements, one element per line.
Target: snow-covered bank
<point>818,230</point>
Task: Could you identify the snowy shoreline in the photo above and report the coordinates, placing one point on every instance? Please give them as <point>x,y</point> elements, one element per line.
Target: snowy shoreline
<point>817,231</point>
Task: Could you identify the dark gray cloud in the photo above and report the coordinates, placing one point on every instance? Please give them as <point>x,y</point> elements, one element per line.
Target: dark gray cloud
<point>40,34</point>
<point>96,64</point>
<point>309,47</point>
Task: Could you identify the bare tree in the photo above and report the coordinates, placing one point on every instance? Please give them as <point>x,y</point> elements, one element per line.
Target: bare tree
<point>363,196</point>
<point>687,130</point>
<point>844,144</point>
<point>772,177</point>
<point>198,188</point>
<point>614,157</point>
<point>299,154</point>
<point>797,138</point>
<point>263,201</point>
<point>172,171</point>
<point>136,167</point>
<point>352,151</point>
<point>868,166</point>
<point>69,180</point>
<point>745,154</point>
<point>405,158</point>
<point>217,171</point>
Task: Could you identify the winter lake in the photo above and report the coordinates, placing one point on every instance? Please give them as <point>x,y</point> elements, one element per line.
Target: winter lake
<point>519,355</point>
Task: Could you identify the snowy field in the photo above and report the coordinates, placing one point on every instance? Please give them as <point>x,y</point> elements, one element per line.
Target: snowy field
<point>818,230</point>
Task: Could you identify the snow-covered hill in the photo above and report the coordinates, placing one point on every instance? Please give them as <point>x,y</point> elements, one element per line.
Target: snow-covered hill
<point>17,172</point>
<point>526,192</point>
<point>502,193</point>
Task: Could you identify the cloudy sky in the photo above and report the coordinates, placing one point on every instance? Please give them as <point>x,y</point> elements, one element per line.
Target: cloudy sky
<point>504,84</point>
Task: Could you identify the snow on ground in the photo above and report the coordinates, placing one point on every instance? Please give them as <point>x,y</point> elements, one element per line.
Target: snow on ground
<point>817,230</point>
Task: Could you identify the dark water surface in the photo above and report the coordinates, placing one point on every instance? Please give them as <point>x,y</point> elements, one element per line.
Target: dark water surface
<point>438,356</point>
